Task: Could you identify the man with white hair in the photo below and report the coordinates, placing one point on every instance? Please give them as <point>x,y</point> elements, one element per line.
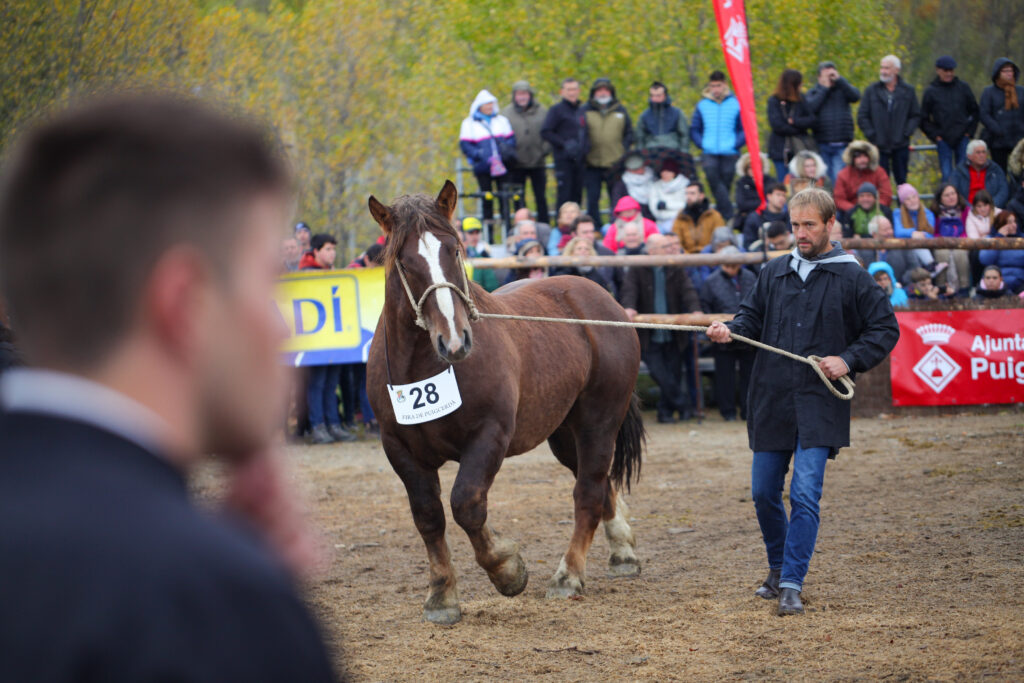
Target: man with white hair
<point>902,261</point>
<point>888,115</point>
<point>978,172</point>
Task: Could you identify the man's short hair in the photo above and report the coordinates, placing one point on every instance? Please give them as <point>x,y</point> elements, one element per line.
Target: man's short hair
<point>696,183</point>
<point>317,242</point>
<point>973,146</point>
<point>716,77</point>
<point>918,274</point>
<point>566,81</point>
<point>658,84</point>
<point>583,218</point>
<point>106,189</point>
<point>827,64</point>
<point>518,226</point>
<point>894,61</point>
<point>817,198</point>
<point>777,229</point>
<point>774,187</point>
<point>997,269</point>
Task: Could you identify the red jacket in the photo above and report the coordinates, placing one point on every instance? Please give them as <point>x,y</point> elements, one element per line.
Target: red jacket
<point>308,262</point>
<point>849,180</point>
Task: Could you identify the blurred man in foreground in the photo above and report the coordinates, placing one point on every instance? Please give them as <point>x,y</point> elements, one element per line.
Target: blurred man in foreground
<point>150,342</point>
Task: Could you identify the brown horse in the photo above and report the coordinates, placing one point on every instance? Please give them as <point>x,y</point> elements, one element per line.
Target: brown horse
<point>524,382</point>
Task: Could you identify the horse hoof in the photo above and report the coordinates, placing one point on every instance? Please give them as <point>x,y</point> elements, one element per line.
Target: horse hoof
<point>443,615</point>
<point>564,587</point>
<point>511,581</point>
<point>619,567</point>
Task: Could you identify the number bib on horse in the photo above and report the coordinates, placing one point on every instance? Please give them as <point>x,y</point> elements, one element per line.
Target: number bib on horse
<point>427,399</point>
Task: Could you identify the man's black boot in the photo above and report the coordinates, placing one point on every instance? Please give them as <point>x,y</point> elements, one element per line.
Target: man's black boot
<point>770,588</point>
<point>789,602</point>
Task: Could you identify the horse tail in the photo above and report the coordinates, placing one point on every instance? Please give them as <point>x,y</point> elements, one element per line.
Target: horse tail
<point>629,444</point>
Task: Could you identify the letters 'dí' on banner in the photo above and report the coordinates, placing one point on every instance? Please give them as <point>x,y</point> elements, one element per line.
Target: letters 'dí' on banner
<point>732,30</point>
<point>959,358</point>
<point>330,314</point>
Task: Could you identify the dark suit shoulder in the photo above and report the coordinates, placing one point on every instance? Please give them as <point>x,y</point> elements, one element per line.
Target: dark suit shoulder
<point>107,564</point>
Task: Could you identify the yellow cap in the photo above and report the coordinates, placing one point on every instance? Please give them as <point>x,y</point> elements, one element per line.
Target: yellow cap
<point>471,223</point>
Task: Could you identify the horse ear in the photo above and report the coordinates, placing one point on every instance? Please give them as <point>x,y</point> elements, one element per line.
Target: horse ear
<point>380,213</point>
<point>447,199</point>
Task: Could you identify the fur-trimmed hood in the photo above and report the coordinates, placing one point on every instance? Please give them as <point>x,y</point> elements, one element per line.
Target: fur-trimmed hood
<point>863,145</point>
<point>797,162</point>
<point>1015,162</point>
<point>743,164</point>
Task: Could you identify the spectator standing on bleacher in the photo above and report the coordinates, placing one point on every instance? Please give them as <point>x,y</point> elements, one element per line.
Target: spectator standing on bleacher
<point>321,392</point>
<point>949,115</point>
<point>1001,111</point>
<point>861,159</point>
<point>977,172</point>
<point>527,117</point>
<point>716,128</point>
<point>722,292</point>
<point>662,125</point>
<point>565,129</point>
<point>610,132</point>
<point>829,102</point>
<point>889,115</point>
<point>789,119</point>
<point>695,223</point>
<point>662,290</point>
<point>487,140</point>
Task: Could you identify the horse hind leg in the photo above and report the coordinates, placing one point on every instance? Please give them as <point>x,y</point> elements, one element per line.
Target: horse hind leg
<point>623,560</point>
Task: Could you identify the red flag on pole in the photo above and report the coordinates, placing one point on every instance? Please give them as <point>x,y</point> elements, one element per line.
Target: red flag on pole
<point>732,29</point>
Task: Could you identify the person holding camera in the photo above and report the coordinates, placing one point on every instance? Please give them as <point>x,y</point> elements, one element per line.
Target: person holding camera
<point>829,102</point>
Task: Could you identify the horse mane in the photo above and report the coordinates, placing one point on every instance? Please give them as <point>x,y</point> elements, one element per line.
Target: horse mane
<point>411,216</point>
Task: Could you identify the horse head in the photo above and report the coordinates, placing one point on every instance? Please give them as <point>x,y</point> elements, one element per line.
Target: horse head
<point>424,251</point>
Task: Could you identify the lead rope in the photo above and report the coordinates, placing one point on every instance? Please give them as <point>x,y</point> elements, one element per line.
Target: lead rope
<point>475,315</point>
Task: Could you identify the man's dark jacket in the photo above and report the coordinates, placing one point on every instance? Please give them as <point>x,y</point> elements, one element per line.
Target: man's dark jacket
<point>565,128</point>
<point>1003,127</point>
<point>638,293</point>
<point>779,114</point>
<point>949,111</point>
<point>995,181</point>
<point>833,121</point>
<point>838,311</point>
<point>759,219</point>
<point>109,573</point>
<point>889,130</point>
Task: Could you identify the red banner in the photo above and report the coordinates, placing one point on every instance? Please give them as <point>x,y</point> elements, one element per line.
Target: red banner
<point>959,358</point>
<point>732,30</point>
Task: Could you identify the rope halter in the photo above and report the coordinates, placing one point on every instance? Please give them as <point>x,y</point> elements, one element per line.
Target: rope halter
<point>417,306</point>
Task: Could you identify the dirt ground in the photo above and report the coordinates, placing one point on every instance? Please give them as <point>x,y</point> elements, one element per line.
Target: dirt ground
<point>918,573</point>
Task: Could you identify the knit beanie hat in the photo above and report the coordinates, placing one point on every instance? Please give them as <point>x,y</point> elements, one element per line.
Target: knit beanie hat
<point>868,187</point>
<point>905,192</point>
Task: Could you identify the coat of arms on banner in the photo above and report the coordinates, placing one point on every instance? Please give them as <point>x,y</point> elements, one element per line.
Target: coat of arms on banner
<point>936,368</point>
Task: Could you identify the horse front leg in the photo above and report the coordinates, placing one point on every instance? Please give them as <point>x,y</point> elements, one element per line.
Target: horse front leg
<point>424,490</point>
<point>498,556</point>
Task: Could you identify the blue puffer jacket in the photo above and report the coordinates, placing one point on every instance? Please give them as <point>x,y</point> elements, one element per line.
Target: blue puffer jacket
<point>716,127</point>
<point>1010,261</point>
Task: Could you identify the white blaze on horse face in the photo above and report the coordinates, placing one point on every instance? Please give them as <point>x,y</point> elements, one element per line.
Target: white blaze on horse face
<point>430,250</point>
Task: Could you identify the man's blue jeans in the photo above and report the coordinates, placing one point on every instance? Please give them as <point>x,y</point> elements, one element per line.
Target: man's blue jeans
<point>321,396</point>
<point>789,541</point>
<point>949,155</point>
<point>832,153</point>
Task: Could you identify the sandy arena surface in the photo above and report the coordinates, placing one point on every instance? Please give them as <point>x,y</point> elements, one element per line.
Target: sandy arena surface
<point>918,573</point>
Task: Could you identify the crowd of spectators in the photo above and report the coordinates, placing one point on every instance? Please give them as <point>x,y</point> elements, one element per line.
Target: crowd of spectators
<point>660,205</point>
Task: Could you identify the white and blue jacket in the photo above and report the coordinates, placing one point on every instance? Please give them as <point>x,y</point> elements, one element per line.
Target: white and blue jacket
<point>481,136</point>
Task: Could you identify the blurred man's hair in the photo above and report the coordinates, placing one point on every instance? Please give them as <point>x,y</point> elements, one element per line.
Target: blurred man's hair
<point>317,242</point>
<point>93,197</point>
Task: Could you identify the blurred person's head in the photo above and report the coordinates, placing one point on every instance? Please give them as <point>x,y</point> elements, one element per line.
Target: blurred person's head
<point>775,197</point>
<point>977,153</point>
<point>567,213</point>
<point>584,226</point>
<point>694,194</point>
<point>779,236</point>
<point>632,236</point>
<point>471,230</point>
<point>880,227</point>
<point>290,253</point>
<point>867,196</point>
<point>570,90</point>
<point>324,248</point>
<point>861,159</point>
<point>1005,224</point>
<point>162,219</point>
<point>526,230</point>
<point>992,278</point>
<point>302,235</point>
<point>983,203</point>
<point>889,69</point>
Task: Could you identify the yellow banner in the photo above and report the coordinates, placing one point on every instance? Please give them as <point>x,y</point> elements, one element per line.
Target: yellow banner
<point>330,315</point>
